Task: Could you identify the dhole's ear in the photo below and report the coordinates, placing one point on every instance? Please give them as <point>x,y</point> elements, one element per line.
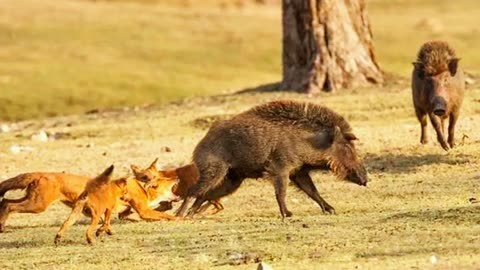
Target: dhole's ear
<point>122,183</point>
<point>108,171</point>
<point>152,166</point>
<point>453,66</point>
<point>420,68</point>
<point>135,169</point>
<point>350,136</point>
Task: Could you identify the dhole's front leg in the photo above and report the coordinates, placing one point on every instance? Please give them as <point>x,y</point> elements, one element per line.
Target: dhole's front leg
<point>72,218</point>
<point>147,213</point>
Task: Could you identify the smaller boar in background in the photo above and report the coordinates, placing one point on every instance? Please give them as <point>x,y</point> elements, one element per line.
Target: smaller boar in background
<point>437,87</point>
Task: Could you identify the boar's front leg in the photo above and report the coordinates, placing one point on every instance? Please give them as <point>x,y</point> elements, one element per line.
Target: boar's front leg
<point>303,181</point>
<point>438,128</point>
<point>422,118</point>
<point>451,128</point>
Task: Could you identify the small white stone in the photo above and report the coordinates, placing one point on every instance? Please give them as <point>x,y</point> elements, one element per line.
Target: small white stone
<point>4,128</point>
<point>15,149</point>
<point>40,136</point>
<point>433,259</point>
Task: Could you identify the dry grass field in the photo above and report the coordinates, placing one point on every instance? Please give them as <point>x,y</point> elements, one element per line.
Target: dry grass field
<point>416,205</point>
<point>418,211</point>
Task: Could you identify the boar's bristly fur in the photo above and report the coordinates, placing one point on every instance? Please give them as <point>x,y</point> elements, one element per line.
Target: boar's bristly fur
<point>437,88</point>
<point>280,140</point>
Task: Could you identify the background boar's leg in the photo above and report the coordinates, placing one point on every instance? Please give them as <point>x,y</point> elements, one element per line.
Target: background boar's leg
<point>422,118</point>
<point>280,184</point>
<point>438,128</point>
<point>303,181</point>
<point>451,128</point>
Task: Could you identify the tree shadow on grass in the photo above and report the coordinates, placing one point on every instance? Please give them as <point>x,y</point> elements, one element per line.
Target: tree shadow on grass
<point>402,163</point>
<point>264,88</point>
<point>465,214</point>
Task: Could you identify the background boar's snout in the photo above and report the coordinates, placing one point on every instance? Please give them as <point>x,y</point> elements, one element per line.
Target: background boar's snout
<point>439,106</point>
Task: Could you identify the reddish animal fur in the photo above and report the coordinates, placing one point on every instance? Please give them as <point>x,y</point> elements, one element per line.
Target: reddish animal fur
<point>100,197</point>
<point>437,89</point>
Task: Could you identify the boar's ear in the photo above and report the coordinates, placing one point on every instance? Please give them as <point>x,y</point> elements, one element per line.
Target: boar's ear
<point>420,68</point>
<point>453,65</point>
<point>350,136</point>
<point>321,140</point>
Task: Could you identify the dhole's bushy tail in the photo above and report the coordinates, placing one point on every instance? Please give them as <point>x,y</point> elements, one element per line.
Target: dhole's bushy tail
<point>18,182</point>
<point>101,179</point>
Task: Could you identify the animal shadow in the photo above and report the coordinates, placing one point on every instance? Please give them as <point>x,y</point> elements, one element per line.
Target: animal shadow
<point>402,163</point>
<point>465,214</point>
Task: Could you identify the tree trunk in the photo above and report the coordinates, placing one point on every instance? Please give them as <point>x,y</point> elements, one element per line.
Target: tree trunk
<point>327,45</point>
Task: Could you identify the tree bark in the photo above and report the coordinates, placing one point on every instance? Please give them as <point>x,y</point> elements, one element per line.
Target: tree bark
<point>327,45</point>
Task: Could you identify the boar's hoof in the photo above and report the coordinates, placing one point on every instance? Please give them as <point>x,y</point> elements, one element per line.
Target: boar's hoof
<point>445,146</point>
<point>328,210</point>
<point>451,143</point>
<point>423,140</point>
<point>288,213</point>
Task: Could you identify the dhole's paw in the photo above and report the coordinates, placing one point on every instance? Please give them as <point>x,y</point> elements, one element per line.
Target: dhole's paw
<point>57,239</point>
<point>90,241</point>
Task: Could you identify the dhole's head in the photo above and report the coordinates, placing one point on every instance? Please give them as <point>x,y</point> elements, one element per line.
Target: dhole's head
<point>158,184</point>
<point>342,157</point>
<point>146,175</point>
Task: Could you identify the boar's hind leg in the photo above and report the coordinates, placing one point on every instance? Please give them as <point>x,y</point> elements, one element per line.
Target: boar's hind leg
<point>280,183</point>
<point>438,128</point>
<point>422,118</point>
<point>451,128</point>
<point>303,181</point>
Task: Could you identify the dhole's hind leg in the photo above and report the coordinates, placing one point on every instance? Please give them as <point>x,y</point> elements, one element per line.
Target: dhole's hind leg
<point>422,118</point>
<point>32,203</point>
<point>72,218</point>
<point>106,227</point>
<point>303,181</point>
<point>93,225</point>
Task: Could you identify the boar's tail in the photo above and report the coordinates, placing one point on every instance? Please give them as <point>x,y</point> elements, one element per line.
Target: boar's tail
<point>211,177</point>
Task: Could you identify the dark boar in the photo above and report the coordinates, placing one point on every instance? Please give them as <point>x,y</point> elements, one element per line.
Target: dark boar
<point>279,140</point>
<point>437,86</point>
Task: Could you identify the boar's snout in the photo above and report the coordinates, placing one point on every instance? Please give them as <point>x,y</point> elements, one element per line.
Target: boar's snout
<point>439,106</point>
<point>358,176</point>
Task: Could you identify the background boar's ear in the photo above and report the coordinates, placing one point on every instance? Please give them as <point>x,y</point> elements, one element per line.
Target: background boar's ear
<point>420,68</point>
<point>350,136</point>
<point>453,65</point>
